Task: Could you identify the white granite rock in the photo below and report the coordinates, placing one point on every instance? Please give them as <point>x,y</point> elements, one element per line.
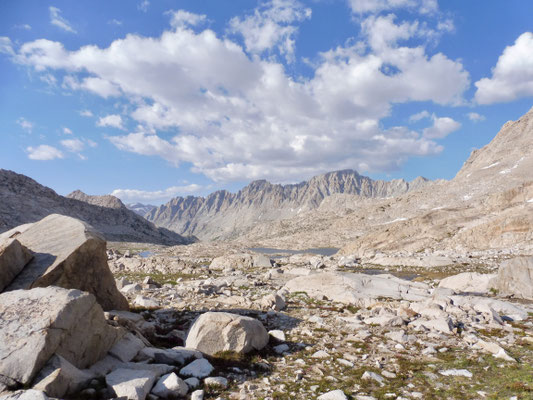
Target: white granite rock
<point>133,384</point>
<point>70,254</point>
<point>215,332</point>
<point>197,395</point>
<point>169,386</point>
<point>143,301</point>
<point>38,323</point>
<point>333,395</point>
<point>198,368</point>
<point>127,347</point>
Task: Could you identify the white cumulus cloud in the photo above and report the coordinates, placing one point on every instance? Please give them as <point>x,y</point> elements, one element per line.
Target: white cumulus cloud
<point>418,116</point>
<point>112,120</point>
<point>25,124</point>
<point>6,45</point>
<point>143,5</point>
<point>236,116</point>
<point>86,113</point>
<point>182,18</point>
<point>101,87</point>
<point>475,117</point>
<point>57,20</point>
<point>512,77</point>
<point>376,6</point>
<point>271,26</point>
<point>73,145</point>
<point>442,127</point>
<point>43,152</point>
<point>133,195</point>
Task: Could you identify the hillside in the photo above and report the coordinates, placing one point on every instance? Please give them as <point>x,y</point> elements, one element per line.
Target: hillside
<point>23,200</point>
<point>487,206</point>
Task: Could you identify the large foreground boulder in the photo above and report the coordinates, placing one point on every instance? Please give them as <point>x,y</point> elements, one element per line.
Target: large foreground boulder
<point>36,324</point>
<point>13,258</point>
<point>351,288</point>
<point>70,254</point>
<point>515,278</point>
<point>214,332</point>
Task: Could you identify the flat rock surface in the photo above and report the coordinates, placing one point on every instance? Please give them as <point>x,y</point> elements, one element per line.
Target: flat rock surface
<point>351,288</point>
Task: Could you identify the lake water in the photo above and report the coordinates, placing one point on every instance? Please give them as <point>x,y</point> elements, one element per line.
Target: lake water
<point>146,253</point>
<point>321,251</point>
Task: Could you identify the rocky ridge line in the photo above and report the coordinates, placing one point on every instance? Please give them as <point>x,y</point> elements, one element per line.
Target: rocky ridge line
<point>223,215</point>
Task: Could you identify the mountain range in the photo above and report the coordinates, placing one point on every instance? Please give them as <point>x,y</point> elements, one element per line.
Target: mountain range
<point>487,205</point>
<point>225,215</point>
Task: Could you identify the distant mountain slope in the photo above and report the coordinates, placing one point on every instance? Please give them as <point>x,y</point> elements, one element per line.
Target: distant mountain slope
<point>224,215</point>
<point>140,209</point>
<point>23,200</point>
<point>487,206</point>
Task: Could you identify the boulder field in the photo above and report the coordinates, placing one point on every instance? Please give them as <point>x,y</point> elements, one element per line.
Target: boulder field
<point>77,321</point>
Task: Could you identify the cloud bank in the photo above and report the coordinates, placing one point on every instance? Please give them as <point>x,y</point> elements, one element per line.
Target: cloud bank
<point>232,111</point>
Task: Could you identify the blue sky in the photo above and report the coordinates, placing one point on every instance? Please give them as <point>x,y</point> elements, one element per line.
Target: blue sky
<point>153,99</point>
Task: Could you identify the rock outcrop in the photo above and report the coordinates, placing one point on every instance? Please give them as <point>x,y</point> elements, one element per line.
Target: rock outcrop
<point>515,278</point>
<point>469,282</point>
<point>23,200</point>
<point>240,261</point>
<point>70,254</point>
<point>223,214</point>
<point>350,288</point>
<point>38,323</point>
<point>215,332</point>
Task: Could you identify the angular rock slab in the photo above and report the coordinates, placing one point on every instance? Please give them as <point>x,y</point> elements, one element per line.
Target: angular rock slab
<point>130,383</point>
<point>38,323</point>
<point>13,258</point>
<point>214,332</point>
<point>515,278</point>
<point>350,288</point>
<point>59,378</point>
<point>70,254</point>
